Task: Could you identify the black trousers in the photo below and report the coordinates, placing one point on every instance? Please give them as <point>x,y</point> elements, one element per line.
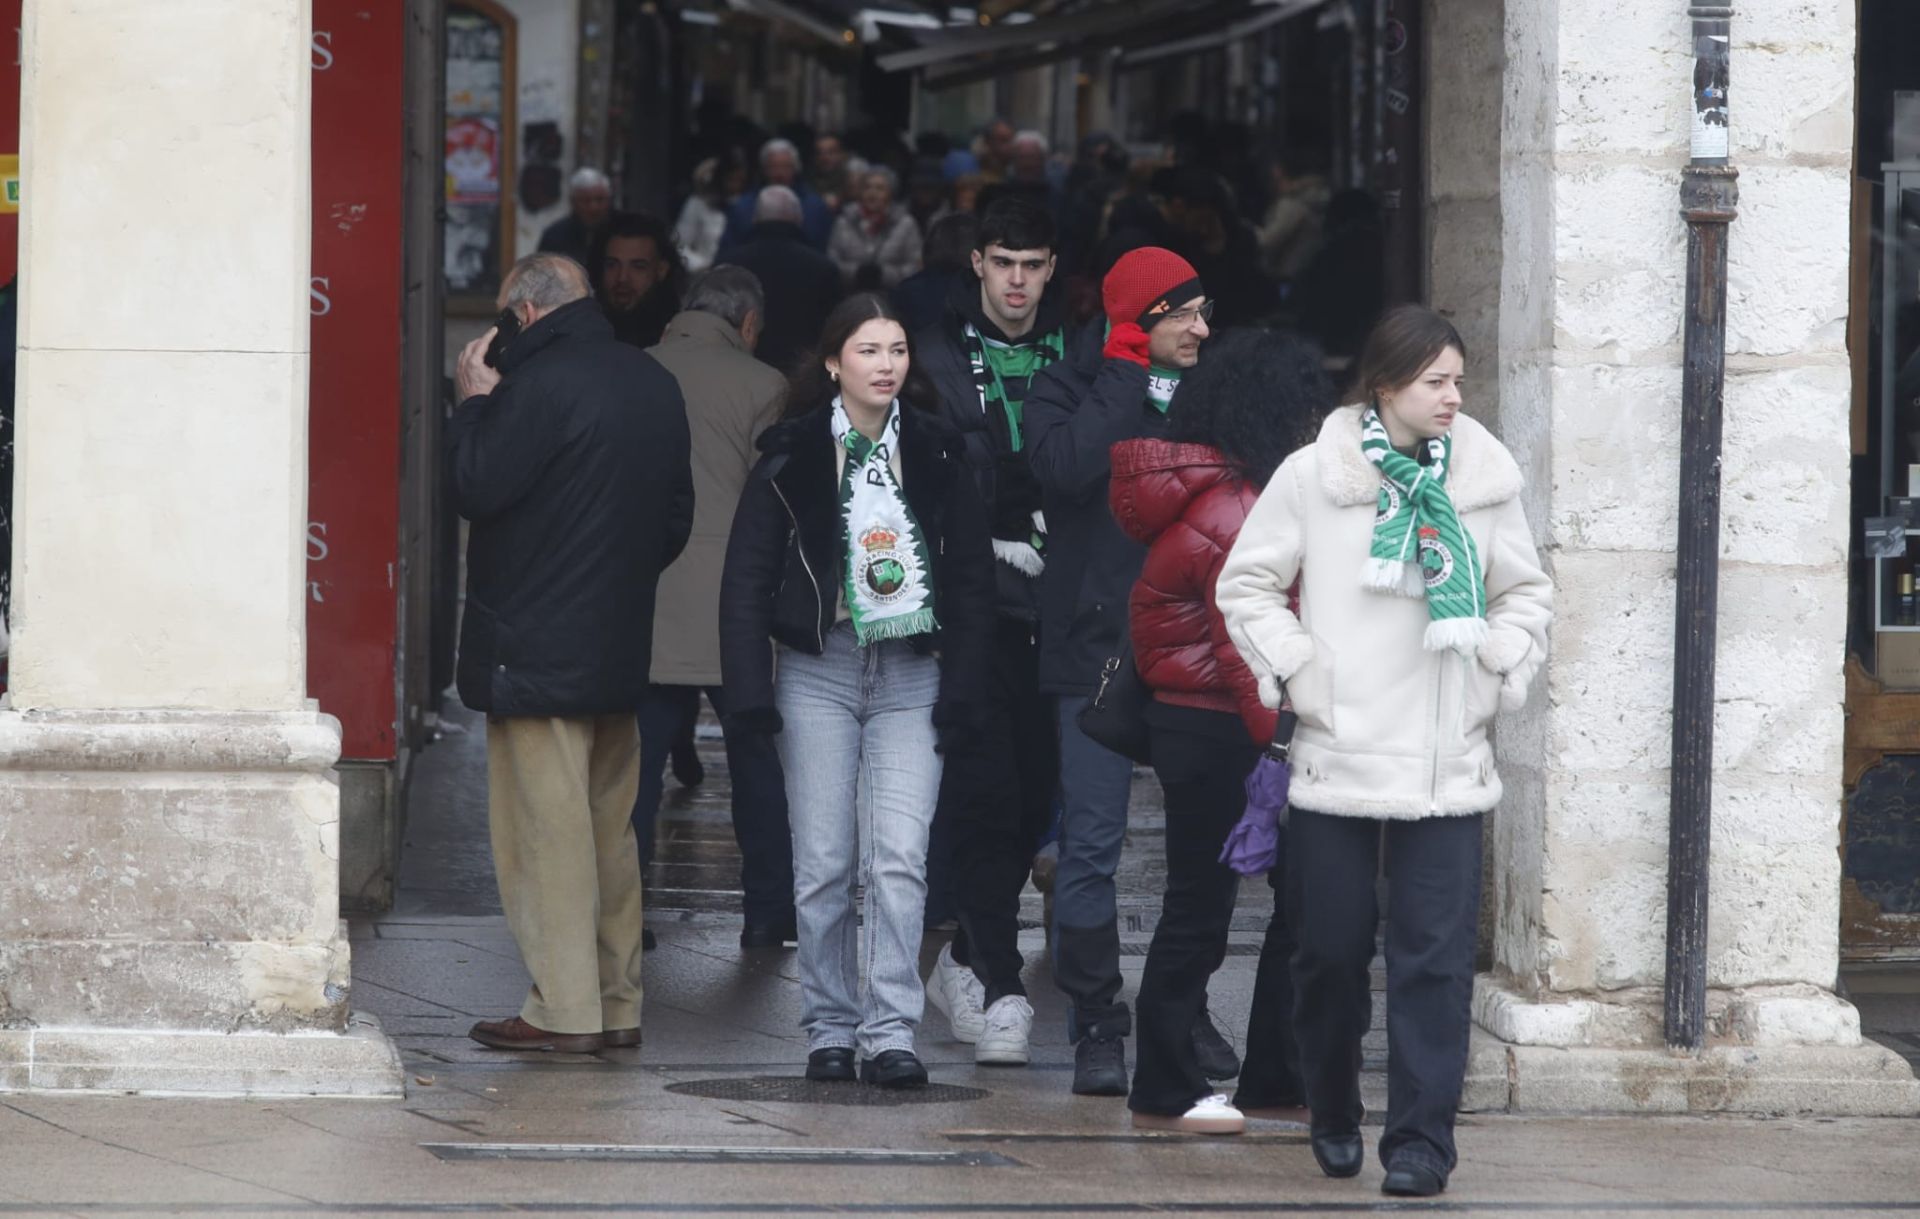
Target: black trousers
<point>1270,1069</point>
<point>996,798</point>
<point>1433,906</point>
<point>1202,764</point>
<point>759,798</point>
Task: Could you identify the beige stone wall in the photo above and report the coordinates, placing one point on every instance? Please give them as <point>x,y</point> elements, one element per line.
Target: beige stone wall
<point>1594,134</point>
<point>1464,58</point>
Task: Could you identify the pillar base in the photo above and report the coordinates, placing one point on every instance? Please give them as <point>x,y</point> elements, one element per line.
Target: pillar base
<point>359,1063</point>
<point>169,906</point>
<point>1776,1050</point>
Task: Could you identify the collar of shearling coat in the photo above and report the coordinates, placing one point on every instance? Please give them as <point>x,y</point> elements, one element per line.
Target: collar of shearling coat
<point>1483,474</point>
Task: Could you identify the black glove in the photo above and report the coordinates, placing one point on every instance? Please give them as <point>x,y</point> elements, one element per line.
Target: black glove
<point>1016,497</point>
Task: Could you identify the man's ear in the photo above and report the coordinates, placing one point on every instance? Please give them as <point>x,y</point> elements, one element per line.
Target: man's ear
<point>979,266</point>
<point>750,328</point>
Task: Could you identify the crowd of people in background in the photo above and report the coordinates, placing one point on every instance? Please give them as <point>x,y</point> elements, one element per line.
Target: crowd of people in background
<point>1274,242</point>
<point>936,446</point>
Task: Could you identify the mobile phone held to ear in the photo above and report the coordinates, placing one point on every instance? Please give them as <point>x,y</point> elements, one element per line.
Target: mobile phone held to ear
<point>507,327</point>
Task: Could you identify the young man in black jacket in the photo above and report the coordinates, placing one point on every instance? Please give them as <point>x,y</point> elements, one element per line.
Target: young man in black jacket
<point>1000,330</point>
<point>1116,384</point>
<point>571,459</point>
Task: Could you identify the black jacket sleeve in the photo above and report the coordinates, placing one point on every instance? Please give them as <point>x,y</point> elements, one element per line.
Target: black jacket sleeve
<point>497,446</point>
<point>966,603</point>
<point>1071,424</point>
<point>679,444</point>
<point>749,585</point>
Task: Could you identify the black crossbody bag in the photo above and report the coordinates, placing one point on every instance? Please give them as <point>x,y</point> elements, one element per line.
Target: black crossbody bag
<point>1116,716</point>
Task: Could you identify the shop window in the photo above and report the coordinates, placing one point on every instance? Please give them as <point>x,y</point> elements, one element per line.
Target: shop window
<point>481,86</point>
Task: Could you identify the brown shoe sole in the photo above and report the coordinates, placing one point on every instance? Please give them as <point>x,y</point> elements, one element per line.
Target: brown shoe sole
<point>621,1038</point>
<point>560,1043</point>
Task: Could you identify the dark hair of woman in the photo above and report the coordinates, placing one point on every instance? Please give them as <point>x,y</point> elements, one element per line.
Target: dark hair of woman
<point>809,386</point>
<point>1400,347</point>
<point>1256,395</point>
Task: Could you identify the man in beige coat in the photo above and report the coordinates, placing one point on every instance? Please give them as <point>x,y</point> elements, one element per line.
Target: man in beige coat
<point>731,398</point>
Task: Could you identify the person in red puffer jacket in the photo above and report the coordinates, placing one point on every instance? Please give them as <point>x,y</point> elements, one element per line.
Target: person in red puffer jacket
<point>1256,398</point>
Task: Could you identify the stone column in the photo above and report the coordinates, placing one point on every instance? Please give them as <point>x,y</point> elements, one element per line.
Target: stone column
<point>169,845</point>
<point>1595,130</point>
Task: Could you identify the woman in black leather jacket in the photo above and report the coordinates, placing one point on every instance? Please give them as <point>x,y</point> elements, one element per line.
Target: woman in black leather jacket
<point>855,613</point>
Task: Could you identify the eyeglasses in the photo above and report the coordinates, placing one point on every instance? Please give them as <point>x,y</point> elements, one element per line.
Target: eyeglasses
<point>1185,317</point>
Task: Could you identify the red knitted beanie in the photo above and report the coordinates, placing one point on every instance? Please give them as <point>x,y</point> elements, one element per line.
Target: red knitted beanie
<point>1146,283</point>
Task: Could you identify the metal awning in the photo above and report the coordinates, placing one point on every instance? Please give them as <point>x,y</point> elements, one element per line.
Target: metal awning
<point>1142,30</point>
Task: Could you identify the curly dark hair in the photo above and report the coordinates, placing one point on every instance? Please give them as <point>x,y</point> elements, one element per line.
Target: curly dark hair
<point>1256,395</point>
<point>809,386</point>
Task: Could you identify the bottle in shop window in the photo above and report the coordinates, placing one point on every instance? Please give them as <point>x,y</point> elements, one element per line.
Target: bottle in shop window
<point>1904,608</point>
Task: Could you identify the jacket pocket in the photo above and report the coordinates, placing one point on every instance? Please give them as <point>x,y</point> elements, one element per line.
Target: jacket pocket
<point>1481,699</point>
<point>1311,689</point>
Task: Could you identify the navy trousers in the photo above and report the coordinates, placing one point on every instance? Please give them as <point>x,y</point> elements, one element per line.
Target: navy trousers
<point>1433,908</point>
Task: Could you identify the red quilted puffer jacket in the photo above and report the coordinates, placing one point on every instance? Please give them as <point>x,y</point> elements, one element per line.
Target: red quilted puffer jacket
<point>1187,504</point>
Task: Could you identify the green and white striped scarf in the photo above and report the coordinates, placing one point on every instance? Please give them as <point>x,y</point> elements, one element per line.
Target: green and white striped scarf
<point>889,576</point>
<point>1420,548</point>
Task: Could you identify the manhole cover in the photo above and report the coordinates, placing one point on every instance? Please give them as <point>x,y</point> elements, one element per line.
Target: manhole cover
<point>787,1090</point>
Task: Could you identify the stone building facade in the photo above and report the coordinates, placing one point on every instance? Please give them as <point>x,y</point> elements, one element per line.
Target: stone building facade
<point>168,819</point>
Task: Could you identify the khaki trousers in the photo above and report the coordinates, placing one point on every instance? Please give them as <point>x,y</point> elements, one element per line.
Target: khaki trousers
<point>560,804</point>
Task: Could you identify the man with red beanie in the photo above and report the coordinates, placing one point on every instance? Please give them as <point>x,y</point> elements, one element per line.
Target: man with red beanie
<point>1115,385</point>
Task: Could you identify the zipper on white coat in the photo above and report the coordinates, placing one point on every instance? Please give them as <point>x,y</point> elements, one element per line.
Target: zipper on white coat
<point>1433,782</point>
<point>818,601</point>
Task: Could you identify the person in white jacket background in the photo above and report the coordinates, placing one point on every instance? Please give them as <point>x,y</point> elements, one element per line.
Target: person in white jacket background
<point>1423,612</point>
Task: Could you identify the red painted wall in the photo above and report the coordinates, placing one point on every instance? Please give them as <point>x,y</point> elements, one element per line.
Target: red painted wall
<point>353,510</point>
<point>10,130</point>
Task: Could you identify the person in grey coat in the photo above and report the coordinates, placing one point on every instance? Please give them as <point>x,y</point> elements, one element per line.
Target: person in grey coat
<point>731,398</point>
<point>875,242</point>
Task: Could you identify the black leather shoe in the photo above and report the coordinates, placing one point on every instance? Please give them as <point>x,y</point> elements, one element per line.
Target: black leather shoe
<point>1215,1054</point>
<point>1339,1155</point>
<point>1410,1178</point>
<point>769,935</point>
<point>1100,1067</point>
<point>894,1069</point>
<point>832,1065</point>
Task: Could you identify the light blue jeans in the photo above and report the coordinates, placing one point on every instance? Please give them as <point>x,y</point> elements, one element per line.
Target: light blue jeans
<point>862,780</point>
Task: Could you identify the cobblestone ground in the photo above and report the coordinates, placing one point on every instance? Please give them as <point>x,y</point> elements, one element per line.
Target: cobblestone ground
<point>708,1117</point>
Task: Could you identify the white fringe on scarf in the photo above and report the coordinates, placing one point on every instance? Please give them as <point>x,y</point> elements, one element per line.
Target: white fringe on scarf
<point>1393,577</point>
<point>1463,635</point>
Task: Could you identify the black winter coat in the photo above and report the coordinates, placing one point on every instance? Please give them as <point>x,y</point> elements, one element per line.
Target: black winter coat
<point>1077,410</point>
<point>785,563</point>
<point>1005,479</point>
<point>802,287</point>
<point>575,473</point>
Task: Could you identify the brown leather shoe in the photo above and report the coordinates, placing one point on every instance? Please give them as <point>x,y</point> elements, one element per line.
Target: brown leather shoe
<point>622,1038</point>
<point>517,1034</point>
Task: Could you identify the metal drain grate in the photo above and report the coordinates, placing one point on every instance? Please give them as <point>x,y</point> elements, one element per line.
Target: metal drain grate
<point>788,1090</point>
<point>839,1156</point>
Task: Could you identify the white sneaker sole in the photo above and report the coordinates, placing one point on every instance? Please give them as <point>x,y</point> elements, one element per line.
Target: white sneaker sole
<point>1184,1124</point>
<point>965,1032</point>
<point>1007,1053</point>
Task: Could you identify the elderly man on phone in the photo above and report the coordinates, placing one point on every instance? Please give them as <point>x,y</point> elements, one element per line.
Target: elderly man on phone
<point>569,454</point>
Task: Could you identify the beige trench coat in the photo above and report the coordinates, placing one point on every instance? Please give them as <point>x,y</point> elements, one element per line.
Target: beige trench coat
<point>731,398</point>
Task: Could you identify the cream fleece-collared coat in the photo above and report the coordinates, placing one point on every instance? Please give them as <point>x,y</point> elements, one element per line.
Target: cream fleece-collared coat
<point>1387,729</point>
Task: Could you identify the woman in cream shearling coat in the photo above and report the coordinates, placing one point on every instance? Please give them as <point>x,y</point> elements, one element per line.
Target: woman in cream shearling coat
<point>1394,709</point>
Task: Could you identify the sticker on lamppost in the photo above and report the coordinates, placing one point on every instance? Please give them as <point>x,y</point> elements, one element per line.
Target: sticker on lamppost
<point>1710,58</point>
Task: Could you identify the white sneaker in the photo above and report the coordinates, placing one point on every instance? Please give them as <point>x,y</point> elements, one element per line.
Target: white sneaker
<point>1009,1024</point>
<point>959,996</point>
<point>1210,1115</point>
